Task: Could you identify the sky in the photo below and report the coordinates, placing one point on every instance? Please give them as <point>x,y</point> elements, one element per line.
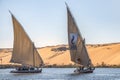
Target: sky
<point>45,21</point>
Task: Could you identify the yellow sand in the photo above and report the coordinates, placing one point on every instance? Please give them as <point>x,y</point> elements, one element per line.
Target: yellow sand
<point>107,53</point>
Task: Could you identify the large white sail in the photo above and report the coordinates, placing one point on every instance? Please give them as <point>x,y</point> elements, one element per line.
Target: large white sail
<point>24,51</point>
<point>77,46</point>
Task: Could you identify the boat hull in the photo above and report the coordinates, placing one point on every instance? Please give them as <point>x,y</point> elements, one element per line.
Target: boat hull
<point>26,71</point>
<point>84,71</point>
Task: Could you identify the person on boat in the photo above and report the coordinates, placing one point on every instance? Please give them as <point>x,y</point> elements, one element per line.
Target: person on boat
<point>80,67</point>
<point>18,68</point>
<point>31,68</point>
<point>90,66</point>
<point>41,69</point>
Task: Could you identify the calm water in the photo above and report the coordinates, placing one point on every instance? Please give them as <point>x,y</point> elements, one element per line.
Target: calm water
<point>62,74</point>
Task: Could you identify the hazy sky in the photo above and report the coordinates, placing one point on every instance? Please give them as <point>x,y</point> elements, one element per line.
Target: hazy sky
<point>45,21</point>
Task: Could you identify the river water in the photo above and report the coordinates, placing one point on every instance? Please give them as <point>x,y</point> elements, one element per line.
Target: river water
<point>62,74</point>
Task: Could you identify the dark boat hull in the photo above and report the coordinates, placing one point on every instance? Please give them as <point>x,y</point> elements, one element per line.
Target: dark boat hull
<point>26,71</point>
<point>84,71</point>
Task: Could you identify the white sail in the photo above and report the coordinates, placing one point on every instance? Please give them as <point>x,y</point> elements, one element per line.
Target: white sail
<point>23,49</point>
<point>77,46</point>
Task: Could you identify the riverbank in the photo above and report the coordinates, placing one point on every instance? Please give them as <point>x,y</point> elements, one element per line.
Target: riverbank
<point>101,55</point>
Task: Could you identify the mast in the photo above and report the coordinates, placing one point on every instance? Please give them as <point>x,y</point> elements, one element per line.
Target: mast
<point>33,56</point>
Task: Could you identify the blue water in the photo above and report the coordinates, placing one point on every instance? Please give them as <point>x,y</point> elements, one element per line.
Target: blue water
<point>62,74</point>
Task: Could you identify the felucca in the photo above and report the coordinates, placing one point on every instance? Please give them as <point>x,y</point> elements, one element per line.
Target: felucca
<point>78,51</point>
<point>24,51</point>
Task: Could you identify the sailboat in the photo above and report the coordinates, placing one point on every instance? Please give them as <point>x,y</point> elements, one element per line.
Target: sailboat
<point>24,51</point>
<point>78,51</point>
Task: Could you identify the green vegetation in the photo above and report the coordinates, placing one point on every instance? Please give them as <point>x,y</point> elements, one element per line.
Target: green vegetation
<point>3,66</point>
<point>102,65</point>
<point>60,66</point>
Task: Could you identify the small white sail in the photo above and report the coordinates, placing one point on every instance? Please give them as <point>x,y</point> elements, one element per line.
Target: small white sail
<point>24,51</point>
<point>77,47</point>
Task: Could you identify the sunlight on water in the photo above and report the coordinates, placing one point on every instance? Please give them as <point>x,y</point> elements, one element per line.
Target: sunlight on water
<point>62,74</point>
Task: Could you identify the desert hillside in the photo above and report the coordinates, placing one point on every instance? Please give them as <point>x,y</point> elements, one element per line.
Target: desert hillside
<point>107,53</point>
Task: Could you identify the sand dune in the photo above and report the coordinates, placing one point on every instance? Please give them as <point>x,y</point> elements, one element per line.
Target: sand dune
<point>107,53</point>
<point>5,56</point>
